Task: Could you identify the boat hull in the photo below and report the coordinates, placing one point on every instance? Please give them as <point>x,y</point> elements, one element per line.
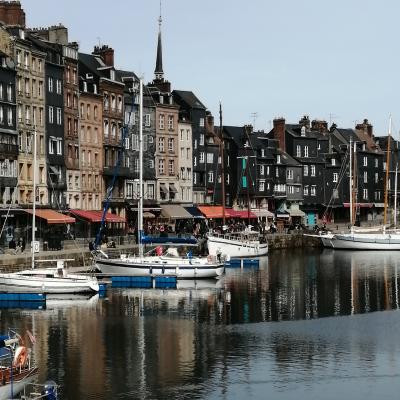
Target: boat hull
<point>18,283</point>
<point>236,248</point>
<point>20,380</point>
<point>181,269</point>
<point>366,242</point>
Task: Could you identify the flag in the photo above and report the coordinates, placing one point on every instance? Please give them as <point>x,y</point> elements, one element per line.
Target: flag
<point>31,337</point>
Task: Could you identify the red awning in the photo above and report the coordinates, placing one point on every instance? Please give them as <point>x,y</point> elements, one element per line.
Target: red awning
<point>212,211</point>
<point>52,217</point>
<point>244,214</point>
<point>96,216</point>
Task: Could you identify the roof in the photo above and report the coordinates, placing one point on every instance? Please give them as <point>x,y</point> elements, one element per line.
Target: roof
<point>189,98</point>
<point>286,159</point>
<point>52,217</point>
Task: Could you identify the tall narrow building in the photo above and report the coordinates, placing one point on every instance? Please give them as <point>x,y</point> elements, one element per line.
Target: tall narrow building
<point>167,116</point>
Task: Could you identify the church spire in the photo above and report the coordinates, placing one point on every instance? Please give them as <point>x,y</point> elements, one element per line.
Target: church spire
<point>159,73</point>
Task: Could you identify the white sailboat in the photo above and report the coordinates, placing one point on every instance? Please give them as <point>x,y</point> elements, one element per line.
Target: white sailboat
<point>239,244</point>
<point>371,238</point>
<point>45,280</point>
<point>151,265</point>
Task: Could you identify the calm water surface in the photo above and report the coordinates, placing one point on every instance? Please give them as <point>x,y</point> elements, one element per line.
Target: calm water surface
<point>305,325</point>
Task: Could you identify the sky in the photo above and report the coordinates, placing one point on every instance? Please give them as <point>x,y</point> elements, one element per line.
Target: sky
<point>262,59</point>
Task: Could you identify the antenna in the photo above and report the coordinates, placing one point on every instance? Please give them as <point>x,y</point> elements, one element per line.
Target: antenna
<point>254,115</point>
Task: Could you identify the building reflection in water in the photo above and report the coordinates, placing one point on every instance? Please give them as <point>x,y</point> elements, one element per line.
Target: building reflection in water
<point>139,343</point>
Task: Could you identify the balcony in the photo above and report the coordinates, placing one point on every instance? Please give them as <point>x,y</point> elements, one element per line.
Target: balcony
<point>9,150</point>
<point>123,172</point>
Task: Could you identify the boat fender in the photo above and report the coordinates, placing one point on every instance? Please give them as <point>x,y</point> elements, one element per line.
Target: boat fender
<point>20,357</point>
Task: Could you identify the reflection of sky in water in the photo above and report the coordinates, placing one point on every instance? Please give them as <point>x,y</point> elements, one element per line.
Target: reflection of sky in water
<point>301,326</point>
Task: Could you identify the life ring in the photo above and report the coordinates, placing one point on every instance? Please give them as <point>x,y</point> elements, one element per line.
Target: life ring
<point>20,357</point>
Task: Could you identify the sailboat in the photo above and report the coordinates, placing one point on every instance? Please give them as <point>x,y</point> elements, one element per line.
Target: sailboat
<point>238,244</point>
<point>45,280</point>
<point>371,238</point>
<point>170,263</point>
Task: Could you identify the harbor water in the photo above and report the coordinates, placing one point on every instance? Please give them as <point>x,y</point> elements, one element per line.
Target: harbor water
<point>306,324</point>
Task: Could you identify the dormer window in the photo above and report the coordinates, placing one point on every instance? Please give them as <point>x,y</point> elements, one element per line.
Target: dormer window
<point>303,131</point>
<point>112,75</point>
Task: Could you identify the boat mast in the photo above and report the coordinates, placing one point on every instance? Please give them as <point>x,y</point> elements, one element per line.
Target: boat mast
<point>222,163</point>
<point>395,196</point>
<point>140,207</point>
<point>351,182</point>
<point>34,201</point>
<point>387,174</point>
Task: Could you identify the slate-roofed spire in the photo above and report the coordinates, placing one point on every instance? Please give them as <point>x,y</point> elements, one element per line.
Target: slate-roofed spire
<point>159,73</point>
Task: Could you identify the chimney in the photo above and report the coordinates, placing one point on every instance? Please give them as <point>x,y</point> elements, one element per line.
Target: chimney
<point>279,132</point>
<point>209,122</point>
<point>106,53</point>
<point>366,127</point>
<point>321,126</point>
<point>305,121</point>
<point>11,13</point>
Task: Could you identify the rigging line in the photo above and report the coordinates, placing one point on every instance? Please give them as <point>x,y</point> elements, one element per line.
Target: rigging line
<point>117,167</point>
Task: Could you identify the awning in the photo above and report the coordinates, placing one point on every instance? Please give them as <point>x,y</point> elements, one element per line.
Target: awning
<point>147,214</point>
<point>360,205</point>
<point>194,211</point>
<point>212,211</point>
<point>297,213</point>
<point>96,216</point>
<point>260,212</point>
<point>172,188</point>
<point>240,214</point>
<point>52,217</point>
<point>174,211</point>
<point>282,214</point>
<point>163,188</point>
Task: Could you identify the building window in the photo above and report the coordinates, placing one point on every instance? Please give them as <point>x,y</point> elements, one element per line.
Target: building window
<point>147,120</point>
<point>59,86</point>
<point>376,177</point>
<point>305,170</point>
<point>290,189</point>
<point>313,191</point>
<point>202,140</point>
<point>161,167</point>
<point>161,121</point>
<point>298,151</point>
<point>262,186</point>
<point>210,177</point>
<point>376,163</point>
<point>59,116</point>
<point>201,157</point>
<point>365,161</point>
<point>312,170</point>
<point>106,128</point>
<point>335,177</point>
<point>50,82</point>
<point>170,122</point>
<point>262,170</point>
<point>210,158</point>
<point>305,151</point>
<point>278,159</point>
<point>365,194</point>
<point>170,144</point>
<point>335,193</point>
<point>201,122</point>
<point>289,174</point>
<point>9,93</point>
<point>161,144</point>
<point>10,116</point>
<point>51,115</point>
<point>365,177</point>
<point>171,167</point>
<point>333,161</point>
